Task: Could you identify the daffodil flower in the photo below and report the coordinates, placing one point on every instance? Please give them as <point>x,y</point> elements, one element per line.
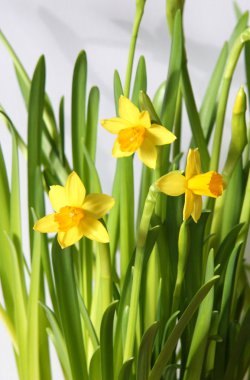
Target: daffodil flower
<point>136,133</point>
<point>193,184</point>
<point>76,214</point>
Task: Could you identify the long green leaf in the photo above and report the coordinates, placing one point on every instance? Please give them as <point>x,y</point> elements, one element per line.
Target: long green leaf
<point>145,352</point>
<point>92,121</point>
<point>78,112</point>
<point>106,342</point>
<point>69,310</point>
<point>140,83</point>
<point>35,116</point>
<point>199,340</point>
<point>173,338</point>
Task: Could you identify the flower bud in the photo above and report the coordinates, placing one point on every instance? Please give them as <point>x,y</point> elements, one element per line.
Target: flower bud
<point>239,133</point>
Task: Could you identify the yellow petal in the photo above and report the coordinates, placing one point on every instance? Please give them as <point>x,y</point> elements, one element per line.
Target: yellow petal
<point>209,184</point>
<point>193,166</point>
<point>94,230</point>
<point>197,208</point>
<point>115,124</point>
<point>117,152</point>
<point>127,110</point>
<point>148,153</point>
<point>46,224</point>
<point>72,236</point>
<point>98,204</point>
<point>144,119</point>
<point>160,135</point>
<point>57,196</point>
<point>75,190</point>
<point>188,205</point>
<point>173,183</point>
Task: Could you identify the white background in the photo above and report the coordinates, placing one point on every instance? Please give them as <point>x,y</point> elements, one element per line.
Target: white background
<point>59,29</point>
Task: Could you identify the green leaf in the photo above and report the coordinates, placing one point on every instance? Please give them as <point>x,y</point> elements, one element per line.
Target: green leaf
<point>140,83</point>
<point>165,355</point>
<point>57,338</point>
<point>69,309</point>
<point>209,103</point>
<point>92,121</point>
<point>95,366</point>
<point>194,118</point>
<point>78,117</point>
<point>25,84</point>
<point>106,342</point>
<point>126,370</point>
<point>118,90</point>
<point>88,323</point>
<point>174,73</point>
<point>145,352</point>
<point>241,343</point>
<point>225,308</point>
<point>199,340</point>
<point>35,115</point>
<point>241,25</point>
<point>62,129</point>
<point>32,312</point>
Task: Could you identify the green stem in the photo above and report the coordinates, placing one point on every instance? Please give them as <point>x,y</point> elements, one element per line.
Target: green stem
<point>137,273</point>
<point>232,61</point>
<point>137,22</point>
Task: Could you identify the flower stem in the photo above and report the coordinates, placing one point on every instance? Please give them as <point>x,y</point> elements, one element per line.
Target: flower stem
<point>139,259</point>
<point>136,25</point>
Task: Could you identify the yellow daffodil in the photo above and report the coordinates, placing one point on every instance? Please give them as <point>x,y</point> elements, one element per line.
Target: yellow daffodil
<point>136,133</point>
<point>76,214</point>
<point>193,184</point>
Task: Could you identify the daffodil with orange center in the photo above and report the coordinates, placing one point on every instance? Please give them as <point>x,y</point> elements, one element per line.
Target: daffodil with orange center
<point>76,215</point>
<point>194,184</point>
<point>135,133</point>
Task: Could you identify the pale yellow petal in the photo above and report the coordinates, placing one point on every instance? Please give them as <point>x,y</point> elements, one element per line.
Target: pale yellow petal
<point>173,183</point>
<point>193,166</point>
<point>209,184</point>
<point>72,236</point>
<point>57,196</point>
<point>127,110</point>
<point>75,190</point>
<point>46,224</point>
<point>197,208</point>
<point>115,124</point>
<point>94,230</point>
<point>98,204</point>
<point>160,135</point>
<point>144,119</point>
<point>148,153</point>
<point>188,205</point>
<point>117,152</point>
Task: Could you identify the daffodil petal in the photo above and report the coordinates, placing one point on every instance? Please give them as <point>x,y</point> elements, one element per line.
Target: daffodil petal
<point>75,190</point>
<point>209,184</point>
<point>57,196</point>
<point>98,204</point>
<point>94,230</point>
<point>197,208</point>
<point>188,205</point>
<point>117,152</point>
<point>173,183</point>
<point>148,153</point>
<point>115,124</point>
<point>160,135</point>
<point>144,119</point>
<point>127,110</point>
<point>72,236</point>
<point>46,224</point>
<point>193,166</point>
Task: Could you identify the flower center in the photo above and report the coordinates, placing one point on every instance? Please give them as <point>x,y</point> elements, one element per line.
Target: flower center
<point>130,139</point>
<point>209,184</point>
<point>69,217</point>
